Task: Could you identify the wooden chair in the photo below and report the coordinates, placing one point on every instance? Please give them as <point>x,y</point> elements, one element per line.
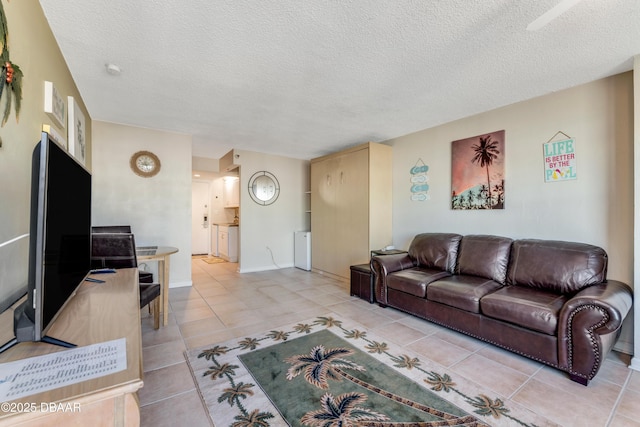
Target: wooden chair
<point>118,250</point>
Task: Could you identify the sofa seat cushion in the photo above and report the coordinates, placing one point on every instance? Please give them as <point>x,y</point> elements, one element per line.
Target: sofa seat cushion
<point>415,280</point>
<point>462,291</point>
<point>527,307</point>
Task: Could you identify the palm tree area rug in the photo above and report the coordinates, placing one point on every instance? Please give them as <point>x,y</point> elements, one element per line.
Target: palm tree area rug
<point>328,372</point>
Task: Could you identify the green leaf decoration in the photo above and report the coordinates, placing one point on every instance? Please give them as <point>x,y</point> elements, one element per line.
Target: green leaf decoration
<point>4,32</point>
<point>7,108</point>
<point>13,83</point>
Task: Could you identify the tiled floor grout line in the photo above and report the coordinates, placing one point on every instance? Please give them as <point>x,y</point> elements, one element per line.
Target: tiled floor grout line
<point>182,393</point>
<point>614,409</point>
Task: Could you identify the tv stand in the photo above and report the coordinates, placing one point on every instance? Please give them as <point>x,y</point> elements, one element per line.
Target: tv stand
<point>98,312</point>
<point>55,341</point>
<point>23,331</point>
<point>45,339</point>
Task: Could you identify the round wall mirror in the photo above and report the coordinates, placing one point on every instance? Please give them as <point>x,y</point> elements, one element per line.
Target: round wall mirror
<point>264,188</point>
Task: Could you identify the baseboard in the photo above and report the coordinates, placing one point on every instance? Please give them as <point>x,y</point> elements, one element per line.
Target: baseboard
<point>624,347</point>
<point>331,275</point>
<point>635,363</point>
<point>180,284</point>
<point>264,268</point>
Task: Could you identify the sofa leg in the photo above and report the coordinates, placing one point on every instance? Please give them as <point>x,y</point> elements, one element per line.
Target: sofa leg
<point>382,305</point>
<point>579,380</point>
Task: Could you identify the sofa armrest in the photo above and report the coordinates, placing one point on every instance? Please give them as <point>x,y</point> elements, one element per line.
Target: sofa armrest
<point>589,325</point>
<point>381,266</point>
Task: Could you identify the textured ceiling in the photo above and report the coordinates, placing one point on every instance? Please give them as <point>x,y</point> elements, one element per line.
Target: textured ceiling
<point>304,78</point>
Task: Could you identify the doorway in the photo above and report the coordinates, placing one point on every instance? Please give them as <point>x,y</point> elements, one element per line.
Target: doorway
<point>200,218</point>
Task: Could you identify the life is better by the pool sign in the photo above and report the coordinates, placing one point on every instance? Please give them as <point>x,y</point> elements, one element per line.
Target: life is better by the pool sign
<point>559,160</point>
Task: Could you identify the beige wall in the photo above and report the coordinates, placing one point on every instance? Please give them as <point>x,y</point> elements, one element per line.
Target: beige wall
<point>635,362</point>
<point>272,226</point>
<point>595,208</point>
<point>35,51</point>
<point>158,209</point>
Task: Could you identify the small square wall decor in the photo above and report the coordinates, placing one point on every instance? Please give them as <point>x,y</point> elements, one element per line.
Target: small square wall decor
<point>54,105</point>
<point>77,132</point>
<point>560,160</point>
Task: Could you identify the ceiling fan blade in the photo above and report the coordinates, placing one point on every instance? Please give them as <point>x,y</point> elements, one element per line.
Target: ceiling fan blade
<point>552,14</point>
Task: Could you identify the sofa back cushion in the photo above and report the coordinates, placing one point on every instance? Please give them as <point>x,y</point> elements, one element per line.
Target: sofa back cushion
<point>435,250</point>
<point>484,256</point>
<point>562,267</point>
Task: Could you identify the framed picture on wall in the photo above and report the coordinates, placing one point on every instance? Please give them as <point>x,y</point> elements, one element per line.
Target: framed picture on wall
<point>477,172</point>
<point>54,105</point>
<point>77,131</point>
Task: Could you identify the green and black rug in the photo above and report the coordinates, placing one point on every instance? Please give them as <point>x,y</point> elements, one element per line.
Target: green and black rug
<point>333,373</point>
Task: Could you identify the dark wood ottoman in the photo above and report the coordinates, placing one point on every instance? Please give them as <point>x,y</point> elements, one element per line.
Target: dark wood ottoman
<point>361,283</point>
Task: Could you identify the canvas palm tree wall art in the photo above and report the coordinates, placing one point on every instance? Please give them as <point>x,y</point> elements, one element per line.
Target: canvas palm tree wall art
<point>477,172</point>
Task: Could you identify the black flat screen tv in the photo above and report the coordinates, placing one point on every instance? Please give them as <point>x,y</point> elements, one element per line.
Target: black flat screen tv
<point>59,240</point>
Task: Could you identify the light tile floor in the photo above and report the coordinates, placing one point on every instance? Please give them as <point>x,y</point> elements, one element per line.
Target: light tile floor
<point>223,304</point>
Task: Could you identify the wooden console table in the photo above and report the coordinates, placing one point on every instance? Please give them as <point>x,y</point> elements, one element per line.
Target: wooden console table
<point>98,312</point>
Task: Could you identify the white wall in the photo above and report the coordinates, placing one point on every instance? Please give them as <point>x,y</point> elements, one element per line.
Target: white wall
<point>157,208</point>
<point>595,208</point>
<point>273,225</point>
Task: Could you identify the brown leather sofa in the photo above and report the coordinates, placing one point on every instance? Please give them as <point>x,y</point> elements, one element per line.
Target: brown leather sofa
<point>546,300</point>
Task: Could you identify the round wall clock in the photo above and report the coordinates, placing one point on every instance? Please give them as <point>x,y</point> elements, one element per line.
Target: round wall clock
<point>264,188</point>
<point>145,164</point>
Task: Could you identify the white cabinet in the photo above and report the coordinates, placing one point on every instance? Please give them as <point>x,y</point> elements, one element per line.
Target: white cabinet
<point>302,250</point>
<point>228,242</point>
<point>231,192</point>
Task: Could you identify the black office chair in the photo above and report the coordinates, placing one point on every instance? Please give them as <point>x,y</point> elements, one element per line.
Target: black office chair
<point>118,250</point>
<point>143,276</point>
<point>111,229</point>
